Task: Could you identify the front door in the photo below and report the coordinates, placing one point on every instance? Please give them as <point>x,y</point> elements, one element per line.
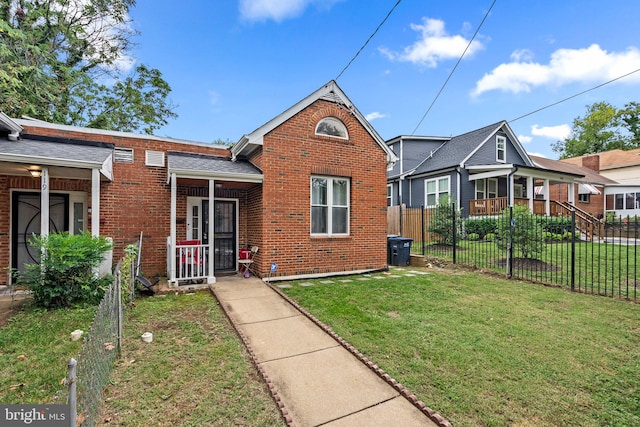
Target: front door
<point>224,228</point>
<point>26,222</point>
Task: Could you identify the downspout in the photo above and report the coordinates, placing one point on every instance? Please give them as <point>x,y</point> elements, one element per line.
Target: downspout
<point>458,189</point>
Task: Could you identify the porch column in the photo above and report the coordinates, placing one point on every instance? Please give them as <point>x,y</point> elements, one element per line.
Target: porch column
<point>211,275</point>
<point>44,202</point>
<point>172,238</point>
<point>95,202</point>
<point>571,196</point>
<point>547,202</point>
<point>530,192</point>
<point>511,190</point>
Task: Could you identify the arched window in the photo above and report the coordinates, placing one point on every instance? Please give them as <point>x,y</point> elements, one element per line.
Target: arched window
<point>331,126</point>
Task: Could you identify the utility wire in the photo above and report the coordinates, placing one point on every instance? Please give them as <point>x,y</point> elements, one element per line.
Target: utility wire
<point>368,40</point>
<point>454,68</point>
<point>573,96</point>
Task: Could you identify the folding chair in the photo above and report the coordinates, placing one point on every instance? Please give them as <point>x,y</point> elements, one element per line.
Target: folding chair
<point>245,261</point>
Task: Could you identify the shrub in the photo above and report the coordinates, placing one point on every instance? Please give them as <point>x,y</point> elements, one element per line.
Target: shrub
<point>547,236</point>
<point>473,236</point>
<point>527,232</point>
<point>556,225</point>
<point>490,236</point>
<point>557,237</point>
<point>567,235</point>
<point>441,223</point>
<point>65,275</point>
<point>482,227</point>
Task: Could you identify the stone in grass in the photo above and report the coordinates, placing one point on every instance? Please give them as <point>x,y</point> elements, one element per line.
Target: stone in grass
<point>306,284</point>
<point>327,282</point>
<point>284,286</point>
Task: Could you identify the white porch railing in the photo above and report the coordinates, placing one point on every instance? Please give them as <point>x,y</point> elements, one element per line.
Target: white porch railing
<point>190,260</point>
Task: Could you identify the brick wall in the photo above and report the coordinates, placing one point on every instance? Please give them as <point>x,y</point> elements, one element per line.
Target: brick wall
<point>139,198</point>
<point>291,154</point>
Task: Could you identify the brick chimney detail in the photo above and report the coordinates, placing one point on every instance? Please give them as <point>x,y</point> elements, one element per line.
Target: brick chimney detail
<point>591,162</point>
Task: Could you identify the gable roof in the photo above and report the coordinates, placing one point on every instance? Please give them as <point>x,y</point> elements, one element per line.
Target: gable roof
<point>330,92</point>
<point>459,149</point>
<point>590,176</point>
<point>204,166</point>
<point>611,159</point>
<point>10,126</point>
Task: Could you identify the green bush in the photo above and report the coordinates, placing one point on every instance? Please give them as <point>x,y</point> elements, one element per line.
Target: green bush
<point>473,236</point>
<point>441,223</point>
<point>490,236</point>
<point>567,235</point>
<point>556,225</point>
<point>482,226</point>
<point>557,237</point>
<point>547,236</point>
<point>65,276</point>
<point>526,234</point>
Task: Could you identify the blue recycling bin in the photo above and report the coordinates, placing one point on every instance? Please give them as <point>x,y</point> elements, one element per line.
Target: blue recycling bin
<point>399,250</point>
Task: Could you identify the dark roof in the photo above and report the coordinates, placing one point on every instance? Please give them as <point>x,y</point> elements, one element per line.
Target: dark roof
<point>454,151</point>
<point>213,164</point>
<point>61,151</point>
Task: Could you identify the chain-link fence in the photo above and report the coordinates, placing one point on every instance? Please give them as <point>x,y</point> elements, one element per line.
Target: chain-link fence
<point>102,344</point>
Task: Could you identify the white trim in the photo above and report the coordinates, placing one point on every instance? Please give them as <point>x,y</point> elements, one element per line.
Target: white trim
<point>438,192</point>
<point>504,171</point>
<point>339,125</point>
<point>504,149</point>
<point>44,202</point>
<point>195,174</point>
<point>95,202</point>
<point>154,158</point>
<point>330,205</point>
<point>331,90</point>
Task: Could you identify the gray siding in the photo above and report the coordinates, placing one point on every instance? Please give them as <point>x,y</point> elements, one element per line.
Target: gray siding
<point>486,155</point>
<point>418,188</point>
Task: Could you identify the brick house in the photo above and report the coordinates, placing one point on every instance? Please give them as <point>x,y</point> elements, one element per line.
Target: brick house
<point>308,188</point>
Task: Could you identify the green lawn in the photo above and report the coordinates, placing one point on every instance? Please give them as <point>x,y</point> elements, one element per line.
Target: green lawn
<point>484,351</point>
<point>608,269</point>
<point>195,372</point>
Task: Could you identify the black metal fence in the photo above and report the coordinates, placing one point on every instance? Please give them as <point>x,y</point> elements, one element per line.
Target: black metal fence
<point>597,257</point>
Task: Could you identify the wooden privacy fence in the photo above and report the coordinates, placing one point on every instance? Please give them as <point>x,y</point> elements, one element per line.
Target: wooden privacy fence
<point>409,222</point>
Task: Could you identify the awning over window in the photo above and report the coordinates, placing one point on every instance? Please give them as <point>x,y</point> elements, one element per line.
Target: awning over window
<point>587,189</point>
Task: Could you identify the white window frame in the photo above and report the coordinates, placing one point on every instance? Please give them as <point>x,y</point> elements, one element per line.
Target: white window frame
<point>501,147</point>
<point>389,194</point>
<point>330,205</point>
<point>336,123</point>
<point>518,191</point>
<point>437,192</point>
<point>482,191</point>
<point>584,198</point>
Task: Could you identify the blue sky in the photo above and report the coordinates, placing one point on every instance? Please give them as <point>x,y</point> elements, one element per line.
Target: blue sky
<point>233,65</point>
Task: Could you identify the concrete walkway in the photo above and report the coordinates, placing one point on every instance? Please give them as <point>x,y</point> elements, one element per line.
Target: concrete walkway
<point>316,379</point>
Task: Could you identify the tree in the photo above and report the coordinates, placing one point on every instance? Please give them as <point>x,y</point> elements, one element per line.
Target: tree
<point>65,61</point>
<point>603,128</point>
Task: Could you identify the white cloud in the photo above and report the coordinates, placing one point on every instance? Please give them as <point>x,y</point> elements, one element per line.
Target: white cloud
<point>434,45</point>
<point>525,139</point>
<point>589,65</point>
<point>375,115</point>
<point>557,133</point>
<point>278,10</point>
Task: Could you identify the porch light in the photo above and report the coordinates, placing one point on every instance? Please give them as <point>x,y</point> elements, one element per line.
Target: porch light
<point>36,173</point>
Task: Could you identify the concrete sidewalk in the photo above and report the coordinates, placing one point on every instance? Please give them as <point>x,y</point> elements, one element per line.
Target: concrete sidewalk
<point>318,381</point>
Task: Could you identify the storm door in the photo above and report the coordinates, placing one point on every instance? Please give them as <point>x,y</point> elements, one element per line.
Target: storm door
<point>26,222</point>
<point>225,230</point>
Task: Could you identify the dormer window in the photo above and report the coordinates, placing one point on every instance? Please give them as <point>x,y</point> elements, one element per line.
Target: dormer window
<point>333,127</point>
<point>501,149</point>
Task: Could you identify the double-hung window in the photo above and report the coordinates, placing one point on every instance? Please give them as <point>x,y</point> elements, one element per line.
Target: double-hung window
<point>501,149</point>
<point>329,206</point>
<point>436,190</point>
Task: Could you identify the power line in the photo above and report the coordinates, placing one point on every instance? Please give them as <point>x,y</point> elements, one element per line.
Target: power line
<point>573,96</point>
<point>369,39</point>
<point>454,68</point>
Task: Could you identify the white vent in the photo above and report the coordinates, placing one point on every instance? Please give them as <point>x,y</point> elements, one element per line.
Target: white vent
<point>155,158</point>
<point>123,155</point>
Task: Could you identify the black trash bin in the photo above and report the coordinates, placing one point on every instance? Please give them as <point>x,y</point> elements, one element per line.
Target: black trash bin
<point>399,250</point>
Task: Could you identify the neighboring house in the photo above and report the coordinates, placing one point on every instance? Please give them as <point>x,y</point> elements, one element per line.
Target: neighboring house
<point>307,188</point>
<point>589,193</point>
<point>622,197</point>
<point>483,172</point>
